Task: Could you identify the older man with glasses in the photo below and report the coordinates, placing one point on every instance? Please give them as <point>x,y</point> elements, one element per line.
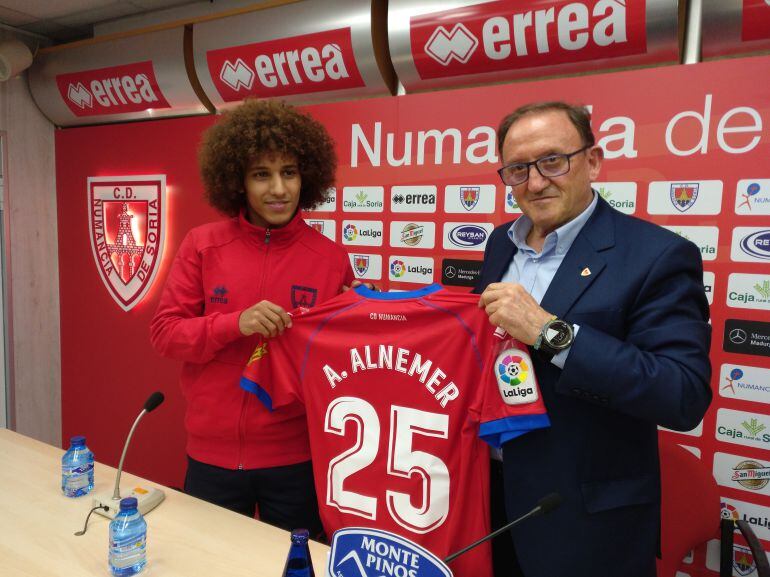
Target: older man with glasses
<point>614,310</point>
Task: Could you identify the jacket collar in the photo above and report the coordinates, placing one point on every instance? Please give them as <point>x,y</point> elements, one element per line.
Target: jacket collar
<point>280,236</point>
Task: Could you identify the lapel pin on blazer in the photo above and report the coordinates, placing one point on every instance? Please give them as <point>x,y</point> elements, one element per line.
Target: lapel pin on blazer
<point>585,272</point>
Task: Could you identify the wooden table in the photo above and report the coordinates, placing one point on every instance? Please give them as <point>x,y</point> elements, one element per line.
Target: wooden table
<point>185,536</point>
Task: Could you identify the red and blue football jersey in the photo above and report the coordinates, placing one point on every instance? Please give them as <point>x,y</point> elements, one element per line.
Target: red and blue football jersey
<point>399,391</point>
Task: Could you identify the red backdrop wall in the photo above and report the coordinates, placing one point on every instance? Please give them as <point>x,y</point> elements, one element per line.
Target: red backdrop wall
<point>109,368</point>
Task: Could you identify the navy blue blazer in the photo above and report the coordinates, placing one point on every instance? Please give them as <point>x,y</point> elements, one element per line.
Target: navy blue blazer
<point>640,360</point>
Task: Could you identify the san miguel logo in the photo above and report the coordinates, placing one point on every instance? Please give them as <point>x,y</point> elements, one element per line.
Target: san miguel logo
<point>113,90</point>
<point>126,216</point>
<point>516,34</point>
<point>297,65</point>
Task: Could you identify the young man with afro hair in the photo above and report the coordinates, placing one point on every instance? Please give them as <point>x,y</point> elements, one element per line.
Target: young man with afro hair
<point>231,284</point>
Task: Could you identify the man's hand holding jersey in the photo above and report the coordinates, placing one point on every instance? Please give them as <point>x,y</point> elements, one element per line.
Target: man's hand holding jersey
<point>510,307</point>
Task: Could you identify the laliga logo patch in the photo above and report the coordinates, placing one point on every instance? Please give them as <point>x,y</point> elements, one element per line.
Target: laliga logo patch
<point>397,268</point>
<point>514,377</point>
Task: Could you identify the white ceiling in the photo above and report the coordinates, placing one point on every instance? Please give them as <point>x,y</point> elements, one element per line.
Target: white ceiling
<point>67,20</point>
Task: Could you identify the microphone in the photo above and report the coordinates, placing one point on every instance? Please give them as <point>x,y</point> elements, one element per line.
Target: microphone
<point>147,498</point>
<point>544,505</point>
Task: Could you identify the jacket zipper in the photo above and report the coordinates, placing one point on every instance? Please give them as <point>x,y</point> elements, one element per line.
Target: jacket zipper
<point>246,395</point>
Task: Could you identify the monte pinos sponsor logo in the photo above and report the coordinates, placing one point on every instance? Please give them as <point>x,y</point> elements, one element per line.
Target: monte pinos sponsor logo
<point>748,291</point>
<point>741,428</point>
<point>114,90</point>
<point>619,195</point>
<point>304,64</point>
<point>745,383</point>
<point>512,35</point>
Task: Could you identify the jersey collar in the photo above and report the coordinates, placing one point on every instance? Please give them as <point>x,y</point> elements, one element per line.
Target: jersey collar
<point>368,293</point>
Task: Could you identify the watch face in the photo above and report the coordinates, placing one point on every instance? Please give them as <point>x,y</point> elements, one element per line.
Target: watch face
<point>558,334</point>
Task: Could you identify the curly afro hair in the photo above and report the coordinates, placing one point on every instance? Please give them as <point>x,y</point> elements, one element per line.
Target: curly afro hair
<point>256,128</point>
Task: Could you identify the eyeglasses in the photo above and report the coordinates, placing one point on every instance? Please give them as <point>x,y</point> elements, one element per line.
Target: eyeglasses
<point>548,167</point>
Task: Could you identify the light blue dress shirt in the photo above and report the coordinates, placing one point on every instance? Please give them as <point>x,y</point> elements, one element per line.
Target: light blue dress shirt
<point>535,270</point>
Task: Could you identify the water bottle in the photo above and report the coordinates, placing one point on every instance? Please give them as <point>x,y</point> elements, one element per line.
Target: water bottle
<point>128,540</point>
<point>298,563</point>
<point>77,468</point>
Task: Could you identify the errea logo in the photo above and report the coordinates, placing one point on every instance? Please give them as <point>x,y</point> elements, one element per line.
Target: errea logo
<point>113,90</point>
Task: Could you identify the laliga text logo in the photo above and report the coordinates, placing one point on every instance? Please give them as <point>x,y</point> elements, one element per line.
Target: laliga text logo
<point>397,268</point>
<point>444,46</point>
<point>513,370</point>
<point>350,232</point>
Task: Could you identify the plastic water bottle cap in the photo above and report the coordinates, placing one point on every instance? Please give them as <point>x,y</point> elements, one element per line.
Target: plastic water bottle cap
<point>128,503</point>
<point>300,535</point>
<point>78,440</point>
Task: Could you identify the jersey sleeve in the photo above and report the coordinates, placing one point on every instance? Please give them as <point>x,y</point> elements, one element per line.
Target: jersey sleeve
<point>511,402</point>
<point>271,372</point>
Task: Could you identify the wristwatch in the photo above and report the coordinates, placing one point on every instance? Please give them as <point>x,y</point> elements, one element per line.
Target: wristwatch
<point>555,336</point>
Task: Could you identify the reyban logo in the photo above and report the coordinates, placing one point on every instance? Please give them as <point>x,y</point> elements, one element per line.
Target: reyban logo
<point>619,195</point>
<point>126,220</point>
<point>512,35</point>
<point>113,90</point>
<point>750,244</point>
<point>297,65</point>
<point>467,235</point>
<point>747,337</point>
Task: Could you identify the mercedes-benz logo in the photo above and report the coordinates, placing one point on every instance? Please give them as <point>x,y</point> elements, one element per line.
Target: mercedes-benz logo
<point>738,336</point>
<point>450,271</point>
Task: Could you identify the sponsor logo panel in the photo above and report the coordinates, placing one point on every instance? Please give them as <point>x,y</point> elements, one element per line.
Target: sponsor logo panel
<point>362,232</point>
<point>706,237</point>
<point>471,198</point>
<point>511,206</point>
<point>619,195</point>
<point>745,383</point>
<point>510,35</point>
<point>325,226</point>
<point>466,235</point>
<point>368,266</point>
<point>407,234</point>
<point>750,244</point>
<point>741,428</point>
<point>685,197</point>
<point>113,90</point>
<point>748,291</point>
<point>753,196</point>
<point>743,560</point>
<point>330,203</point>
<point>363,199</point>
<point>411,269</point>
<point>756,516</point>
<point>743,473</point>
<point>459,272</point>
<point>413,198</point>
<point>300,64</point>
<point>747,337</point>
<point>708,285</point>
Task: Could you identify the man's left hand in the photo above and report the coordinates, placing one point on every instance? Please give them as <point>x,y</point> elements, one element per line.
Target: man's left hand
<point>512,308</point>
<point>357,282</point>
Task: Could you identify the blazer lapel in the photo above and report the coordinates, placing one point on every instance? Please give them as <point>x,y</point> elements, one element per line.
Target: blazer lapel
<point>583,262</point>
